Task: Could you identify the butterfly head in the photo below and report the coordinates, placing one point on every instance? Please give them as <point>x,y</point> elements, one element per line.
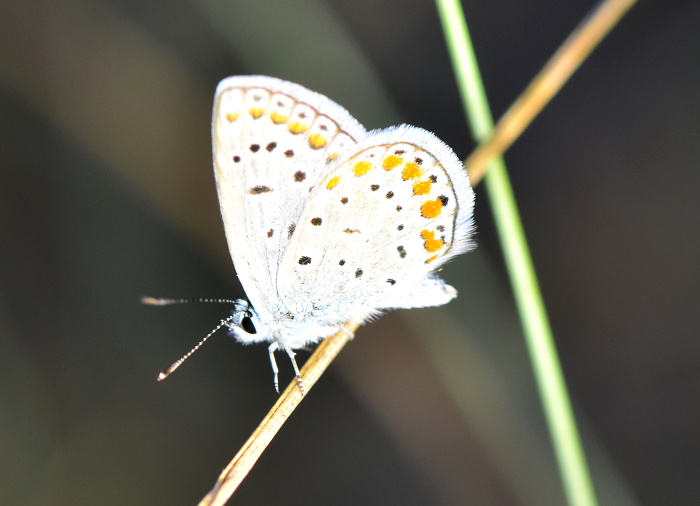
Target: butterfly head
<point>245,324</point>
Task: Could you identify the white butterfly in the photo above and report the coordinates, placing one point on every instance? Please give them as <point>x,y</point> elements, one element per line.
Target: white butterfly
<point>328,223</point>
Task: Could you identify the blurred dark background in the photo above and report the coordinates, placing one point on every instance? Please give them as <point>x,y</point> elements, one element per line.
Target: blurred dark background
<point>107,194</point>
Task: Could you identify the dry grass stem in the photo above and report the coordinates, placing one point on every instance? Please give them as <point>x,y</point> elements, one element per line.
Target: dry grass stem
<point>546,84</point>
<point>248,455</point>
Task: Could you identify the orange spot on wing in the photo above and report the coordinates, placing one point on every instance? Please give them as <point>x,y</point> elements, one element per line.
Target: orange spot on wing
<point>231,116</point>
<point>297,128</point>
<point>317,141</point>
<point>391,162</point>
<point>431,244</point>
<point>411,171</point>
<point>422,187</point>
<point>256,112</point>
<point>431,208</point>
<point>277,118</point>
<point>333,182</point>
<point>431,259</point>
<point>361,168</point>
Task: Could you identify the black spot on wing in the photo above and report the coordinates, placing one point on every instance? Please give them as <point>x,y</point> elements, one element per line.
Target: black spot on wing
<point>257,190</point>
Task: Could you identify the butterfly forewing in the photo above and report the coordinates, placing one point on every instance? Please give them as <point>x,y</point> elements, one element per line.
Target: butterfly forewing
<point>272,142</point>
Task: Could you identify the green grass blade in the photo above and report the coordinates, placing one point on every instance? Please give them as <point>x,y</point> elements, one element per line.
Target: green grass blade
<point>538,334</point>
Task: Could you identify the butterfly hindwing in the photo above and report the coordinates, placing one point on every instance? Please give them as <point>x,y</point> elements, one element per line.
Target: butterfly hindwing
<point>375,229</point>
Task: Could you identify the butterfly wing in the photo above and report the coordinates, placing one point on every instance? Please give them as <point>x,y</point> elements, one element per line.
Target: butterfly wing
<point>272,141</point>
<point>377,227</point>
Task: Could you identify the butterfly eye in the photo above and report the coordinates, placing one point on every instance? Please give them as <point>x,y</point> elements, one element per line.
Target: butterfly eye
<point>248,326</point>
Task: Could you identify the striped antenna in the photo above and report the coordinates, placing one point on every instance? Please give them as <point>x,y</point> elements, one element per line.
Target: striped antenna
<point>165,373</point>
<point>156,301</point>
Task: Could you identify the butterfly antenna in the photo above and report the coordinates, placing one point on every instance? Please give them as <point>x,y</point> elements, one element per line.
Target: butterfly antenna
<point>165,373</point>
<point>157,301</point>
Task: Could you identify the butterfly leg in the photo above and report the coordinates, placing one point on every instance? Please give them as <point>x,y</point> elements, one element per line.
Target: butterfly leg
<point>347,331</point>
<point>275,370</point>
<point>291,355</point>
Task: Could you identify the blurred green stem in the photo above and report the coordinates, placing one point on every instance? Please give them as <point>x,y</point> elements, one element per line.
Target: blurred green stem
<point>555,399</point>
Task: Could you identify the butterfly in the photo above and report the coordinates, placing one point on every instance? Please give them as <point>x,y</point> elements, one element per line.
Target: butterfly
<point>326,222</point>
